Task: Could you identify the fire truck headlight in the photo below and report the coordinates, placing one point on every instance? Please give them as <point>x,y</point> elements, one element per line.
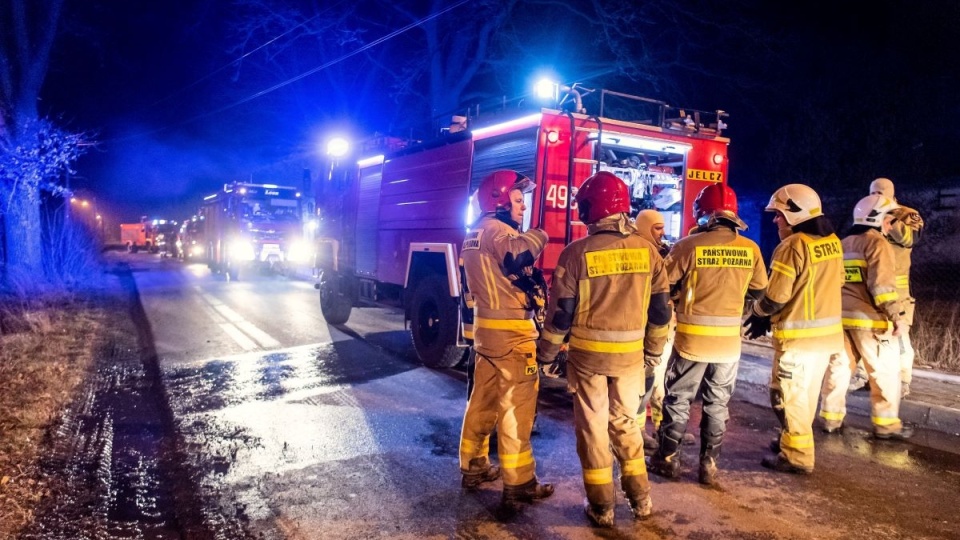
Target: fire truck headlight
<point>298,252</point>
<point>196,250</point>
<point>242,250</point>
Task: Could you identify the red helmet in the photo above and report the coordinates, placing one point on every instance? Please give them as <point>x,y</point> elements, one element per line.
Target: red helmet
<point>716,200</point>
<point>494,191</point>
<point>602,195</point>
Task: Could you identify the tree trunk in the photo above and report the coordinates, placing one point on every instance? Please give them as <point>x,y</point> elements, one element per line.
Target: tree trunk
<point>24,244</point>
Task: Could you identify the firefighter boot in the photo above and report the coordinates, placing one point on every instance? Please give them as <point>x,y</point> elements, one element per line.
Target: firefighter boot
<point>905,433</point>
<point>515,496</point>
<point>481,471</point>
<point>650,443</point>
<point>779,463</point>
<point>709,454</point>
<point>600,515</point>
<point>666,461</point>
<point>641,507</point>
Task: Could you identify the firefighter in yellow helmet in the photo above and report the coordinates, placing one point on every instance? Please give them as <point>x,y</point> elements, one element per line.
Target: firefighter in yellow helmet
<point>651,226</point>
<point>713,269</point>
<point>803,302</point>
<point>904,232</point>
<point>609,293</point>
<point>872,321</point>
<point>506,380</point>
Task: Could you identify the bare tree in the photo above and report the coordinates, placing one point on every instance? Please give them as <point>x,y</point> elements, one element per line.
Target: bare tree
<point>32,150</point>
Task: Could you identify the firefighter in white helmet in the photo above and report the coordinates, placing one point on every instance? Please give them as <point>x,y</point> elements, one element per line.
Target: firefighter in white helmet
<point>714,270</point>
<point>802,306</point>
<point>872,320</point>
<point>904,232</point>
<point>609,294</point>
<point>651,225</point>
<point>506,379</point>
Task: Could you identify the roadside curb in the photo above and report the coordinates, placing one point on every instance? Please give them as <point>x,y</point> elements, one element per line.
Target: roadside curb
<point>920,408</point>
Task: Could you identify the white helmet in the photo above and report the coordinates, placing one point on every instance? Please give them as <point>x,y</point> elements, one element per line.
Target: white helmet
<point>871,210</point>
<point>798,203</point>
<point>882,186</point>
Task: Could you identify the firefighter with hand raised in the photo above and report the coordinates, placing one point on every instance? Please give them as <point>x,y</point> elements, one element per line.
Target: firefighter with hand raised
<point>905,229</point>
<point>503,328</point>
<point>598,285</point>
<point>712,271</point>
<point>872,320</point>
<point>803,302</point>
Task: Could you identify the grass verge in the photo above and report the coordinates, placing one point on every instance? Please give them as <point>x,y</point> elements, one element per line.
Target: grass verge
<point>46,352</point>
<point>936,335</point>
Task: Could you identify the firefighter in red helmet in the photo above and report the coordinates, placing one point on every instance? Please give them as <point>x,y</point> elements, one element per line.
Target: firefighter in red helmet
<point>712,271</point>
<point>598,279</point>
<point>495,257</point>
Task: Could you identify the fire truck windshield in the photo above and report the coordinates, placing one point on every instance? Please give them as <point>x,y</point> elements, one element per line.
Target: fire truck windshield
<point>271,210</point>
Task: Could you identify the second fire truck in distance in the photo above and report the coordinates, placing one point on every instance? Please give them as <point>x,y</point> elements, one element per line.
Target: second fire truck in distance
<point>253,226</point>
<point>391,224</point>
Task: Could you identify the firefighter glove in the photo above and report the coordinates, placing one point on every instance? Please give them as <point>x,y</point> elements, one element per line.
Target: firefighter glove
<point>552,368</point>
<point>756,326</point>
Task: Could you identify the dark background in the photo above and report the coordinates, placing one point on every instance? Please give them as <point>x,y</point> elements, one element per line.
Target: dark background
<point>175,94</point>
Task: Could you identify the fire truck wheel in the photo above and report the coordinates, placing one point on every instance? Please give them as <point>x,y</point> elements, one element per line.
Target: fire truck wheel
<point>233,272</point>
<point>433,324</point>
<point>335,304</point>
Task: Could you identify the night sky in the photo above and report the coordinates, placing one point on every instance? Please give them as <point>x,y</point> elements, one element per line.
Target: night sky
<point>826,93</point>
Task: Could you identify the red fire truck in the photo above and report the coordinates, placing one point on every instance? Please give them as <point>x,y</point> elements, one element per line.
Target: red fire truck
<point>391,224</point>
<point>253,226</point>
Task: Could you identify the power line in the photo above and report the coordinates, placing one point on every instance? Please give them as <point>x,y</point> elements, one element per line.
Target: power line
<point>296,78</point>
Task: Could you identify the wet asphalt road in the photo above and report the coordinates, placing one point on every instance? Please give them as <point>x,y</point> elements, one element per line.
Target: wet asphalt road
<point>286,427</point>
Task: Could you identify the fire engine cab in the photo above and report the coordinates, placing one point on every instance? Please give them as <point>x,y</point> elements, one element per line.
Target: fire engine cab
<point>391,224</point>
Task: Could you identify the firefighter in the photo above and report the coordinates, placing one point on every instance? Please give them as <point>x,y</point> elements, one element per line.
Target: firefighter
<point>803,302</point>
<point>609,293</point>
<point>712,271</point>
<point>651,225</point>
<point>494,256</point>
<point>872,320</point>
<point>904,232</point>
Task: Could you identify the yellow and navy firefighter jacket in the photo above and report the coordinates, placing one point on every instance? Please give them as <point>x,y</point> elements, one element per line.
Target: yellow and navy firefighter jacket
<point>711,273</point>
<point>609,293</point>
<point>494,255</point>
<point>870,298</point>
<point>806,277</point>
<point>904,232</point>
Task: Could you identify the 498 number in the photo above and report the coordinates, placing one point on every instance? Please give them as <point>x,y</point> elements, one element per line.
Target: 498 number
<point>558,197</point>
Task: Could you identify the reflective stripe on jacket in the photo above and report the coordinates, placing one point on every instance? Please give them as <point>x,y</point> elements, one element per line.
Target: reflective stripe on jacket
<point>806,276</point>
<point>715,269</point>
<point>870,299</point>
<point>600,295</point>
<point>501,318</point>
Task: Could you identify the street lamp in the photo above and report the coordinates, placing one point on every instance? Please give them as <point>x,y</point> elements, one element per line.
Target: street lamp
<point>337,147</point>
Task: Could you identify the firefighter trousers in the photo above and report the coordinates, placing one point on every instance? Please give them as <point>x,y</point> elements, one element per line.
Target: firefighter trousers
<point>504,396</point>
<point>684,378</point>
<point>655,393</point>
<point>794,390</point>
<point>907,355</point>
<point>880,358</point>
<point>605,415</point>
